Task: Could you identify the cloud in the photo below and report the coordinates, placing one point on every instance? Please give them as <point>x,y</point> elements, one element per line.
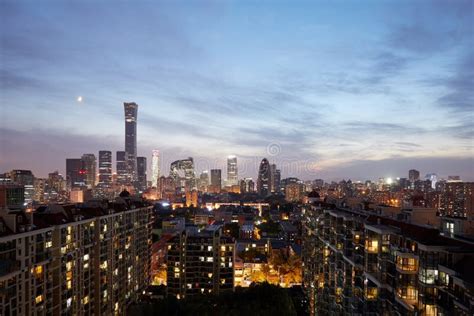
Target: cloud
<point>460,85</point>
<point>399,166</point>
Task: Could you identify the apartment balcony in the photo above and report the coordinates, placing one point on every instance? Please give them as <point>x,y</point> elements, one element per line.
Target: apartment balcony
<point>406,263</point>
<point>407,297</point>
<point>8,266</point>
<point>372,245</point>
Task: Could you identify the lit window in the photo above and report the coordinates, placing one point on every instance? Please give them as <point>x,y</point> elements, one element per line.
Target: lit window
<point>39,299</point>
<point>209,248</point>
<point>209,259</point>
<point>86,257</point>
<point>38,270</point>
<point>48,244</point>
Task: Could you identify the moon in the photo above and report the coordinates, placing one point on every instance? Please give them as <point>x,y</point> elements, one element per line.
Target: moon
<point>79,99</point>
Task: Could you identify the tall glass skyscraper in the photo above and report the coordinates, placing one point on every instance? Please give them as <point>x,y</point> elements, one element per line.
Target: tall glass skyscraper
<point>131,110</point>
<point>141,173</point>
<point>264,176</point>
<point>89,165</point>
<point>232,177</point>
<point>155,168</point>
<point>122,178</point>
<point>105,169</point>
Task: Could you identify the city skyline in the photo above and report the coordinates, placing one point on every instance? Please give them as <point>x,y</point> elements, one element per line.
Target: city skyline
<point>388,93</point>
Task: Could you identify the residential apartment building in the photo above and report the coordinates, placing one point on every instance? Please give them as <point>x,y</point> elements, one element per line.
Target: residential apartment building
<point>74,260</point>
<point>200,262</point>
<point>358,263</point>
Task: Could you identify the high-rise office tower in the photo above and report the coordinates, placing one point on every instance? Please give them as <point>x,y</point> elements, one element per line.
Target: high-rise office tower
<point>277,180</point>
<point>26,179</point>
<point>433,177</point>
<point>105,169</point>
<point>75,174</point>
<point>247,185</point>
<point>89,167</point>
<point>131,110</point>
<point>204,181</point>
<point>182,172</point>
<point>413,175</point>
<point>232,177</point>
<point>122,176</point>
<point>263,181</point>
<point>274,178</point>
<point>216,178</point>
<point>141,173</point>
<point>155,168</point>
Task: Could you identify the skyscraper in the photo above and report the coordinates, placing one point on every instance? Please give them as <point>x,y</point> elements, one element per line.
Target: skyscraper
<point>131,110</point>
<point>141,173</point>
<point>155,168</point>
<point>413,175</point>
<point>26,179</point>
<point>204,181</point>
<point>121,168</point>
<point>105,169</point>
<point>89,166</point>
<point>274,178</point>
<point>182,172</point>
<point>232,177</point>
<point>75,174</point>
<point>263,181</point>
<point>216,179</point>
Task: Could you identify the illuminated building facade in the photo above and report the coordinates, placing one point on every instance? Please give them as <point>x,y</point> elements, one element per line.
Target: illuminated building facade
<point>182,171</point>
<point>131,112</point>
<point>105,169</point>
<point>12,196</point>
<point>122,175</point>
<point>141,173</point>
<point>27,180</point>
<point>155,168</point>
<point>232,171</point>
<point>89,169</point>
<point>357,263</point>
<point>200,262</point>
<point>63,260</point>
<point>204,181</point>
<point>247,185</point>
<point>216,180</point>
<point>457,199</point>
<point>294,192</point>
<point>75,174</point>
<point>264,178</point>
<point>39,189</point>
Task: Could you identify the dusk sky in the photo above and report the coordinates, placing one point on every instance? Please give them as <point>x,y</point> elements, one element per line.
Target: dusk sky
<point>332,90</point>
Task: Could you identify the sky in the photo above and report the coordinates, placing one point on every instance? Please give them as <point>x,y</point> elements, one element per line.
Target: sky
<point>324,89</point>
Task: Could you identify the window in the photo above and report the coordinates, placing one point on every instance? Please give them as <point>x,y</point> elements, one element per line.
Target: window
<point>428,276</point>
